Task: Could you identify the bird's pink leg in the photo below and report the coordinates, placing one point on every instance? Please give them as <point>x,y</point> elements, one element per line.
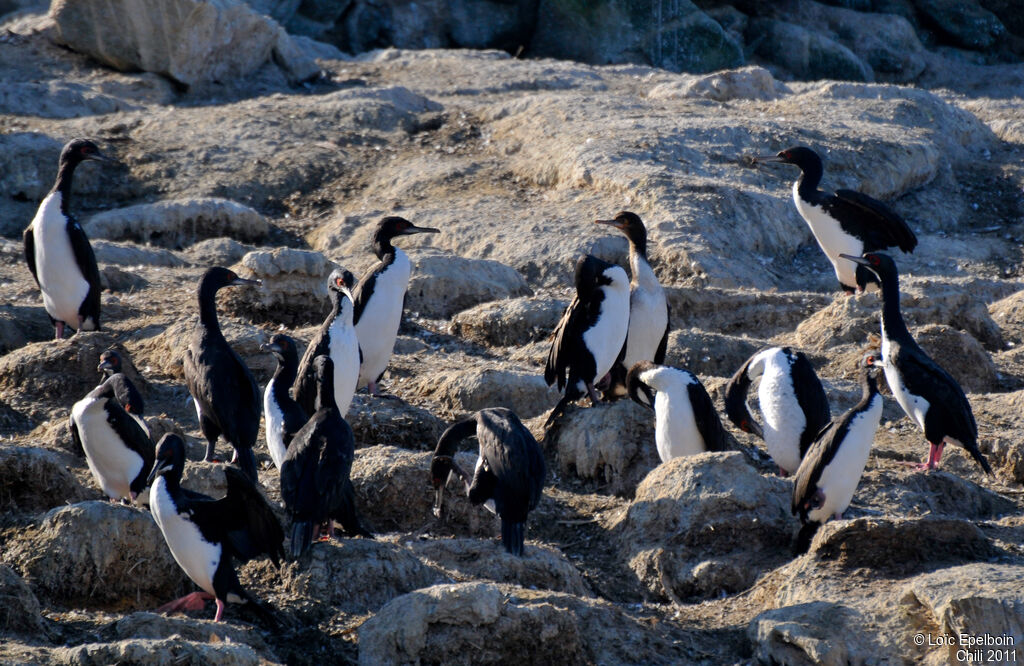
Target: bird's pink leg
<point>783,473</point>
<point>192,602</point>
<point>220,610</point>
<point>593,394</point>
<point>60,329</point>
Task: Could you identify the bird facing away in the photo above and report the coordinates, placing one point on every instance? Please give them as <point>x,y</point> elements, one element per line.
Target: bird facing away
<point>792,400</point>
<point>131,400</point>
<point>591,335</point>
<point>315,483</point>
<point>844,221</point>
<point>927,393</point>
<point>335,338</point>
<point>647,337</point>
<point>58,251</point>
<point>284,416</point>
<point>686,422</point>
<point>379,299</point>
<point>226,395</point>
<point>824,484</point>
<point>117,449</point>
<point>509,475</point>
<point>205,535</point>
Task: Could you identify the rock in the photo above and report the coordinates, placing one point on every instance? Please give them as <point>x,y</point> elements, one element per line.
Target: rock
<point>612,444</point>
<point>97,552</point>
<point>147,625</point>
<point>163,348</point>
<point>394,494</point>
<point>463,391</point>
<point>42,376</point>
<point>127,254</point>
<point>807,55</point>
<point>962,356</point>
<point>444,623</point>
<point>114,279</point>
<point>442,285</point>
<point>28,168</point>
<point>246,40</point>
<point>217,252</point>
<point>36,480</point>
<point>741,310</point>
<point>709,354</point>
<point>509,322</point>
<point>964,21</point>
<point>744,83</point>
<point>696,522</point>
<point>678,37</point>
<point>979,600</point>
<point>356,575</point>
<point>20,613</point>
<point>19,325</point>
<point>394,423</point>
<point>149,652</point>
<point>819,632</point>
<point>1004,448</point>
<point>939,493</point>
<point>1008,314</point>
<point>294,289</point>
<point>540,567</point>
<point>175,224</point>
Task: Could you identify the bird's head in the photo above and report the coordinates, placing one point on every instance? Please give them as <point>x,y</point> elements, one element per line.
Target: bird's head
<point>82,150</point>
<point>880,265</point>
<point>393,226</point>
<point>341,281</point>
<point>219,277</point>
<point>170,456</point>
<point>629,224</point>
<point>110,362</point>
<point>639,390</point>
<point>279,345</point>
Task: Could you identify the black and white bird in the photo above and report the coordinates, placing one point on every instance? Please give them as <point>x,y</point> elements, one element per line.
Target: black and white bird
<point>131,400</point>
<point>685,420</point>
<point>379,299</point>
<point>315,483</point>
<point>844,221</point>
<point>824,484</point>
<point>284,415</point>
<point>509,475</point>
<point>118,451</point>
<point>58,251</point>
<point>226,395</point>
<point>591,335</point>
<point>647,338</point>
<point>206,536</point>
<point>337,339</point>
<point>792,400</point>
<point>927,393</point>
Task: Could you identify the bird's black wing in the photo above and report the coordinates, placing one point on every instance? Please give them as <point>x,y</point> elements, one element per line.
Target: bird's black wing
<point>810,394</point>
<point>249,525</point>
<point>244,424</point>
<point>134,437</point>
<point>923,376</point>
<point>659,354</point>
<point>820,454</point>
<point>570,327</point>
<point>298,466</point>
<point>304,389</point>
<point>709,425</point>
<point>127,394</point>
<point>75,437</point>
<point>30,251</point>
<point>86,260</point>
<point>882,226</point>
<point>514,458</point>
<point>736,407</point>
<point>364,290</point>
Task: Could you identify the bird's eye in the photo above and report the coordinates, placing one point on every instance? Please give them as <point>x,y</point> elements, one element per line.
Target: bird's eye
<point>874,260</point>
<point>339,282</point>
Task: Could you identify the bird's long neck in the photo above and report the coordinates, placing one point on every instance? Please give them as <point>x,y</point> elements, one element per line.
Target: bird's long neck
<point>810,178</point>
<point>869,387</point>
<point>287,370</point>
<point>65,174</point>
<point>893,326</point>
<point>208,308</point>
<point>452,436</point>
<point>382,246</point>
<point>325,392</point>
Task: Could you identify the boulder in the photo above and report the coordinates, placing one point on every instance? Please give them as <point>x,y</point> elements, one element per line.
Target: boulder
<point>1008,315</point>
<point>28,168</point>
<point>97,552</point>
<point>540,567</point>
<point>115,280</point>
<point>470,390</point>
<point>709,354</point>
<point>819,632</point>
<point>965,22</point>
<point>751,82</point>
<point>162,347</point>
<point>806,55</point>
<point>1002,442</point>
<point>178,223</point>
<point>961,355</point>
<point>217,252</point>
<point>509,322</point>
<point>909,493</point>
<point>294,289</point>
<point>734,311</point>
<point>20,613</point>
<point>612,444</point>
<point>129,254</point>
<point>149,625</point>
<point>442,285</point>
<point>245,40</point>
<point>444,623</point>
<point>356,575</point>
<point>36,480</point>
<point>150,652</point>
<point>393,422</point>
<point>696,523</point>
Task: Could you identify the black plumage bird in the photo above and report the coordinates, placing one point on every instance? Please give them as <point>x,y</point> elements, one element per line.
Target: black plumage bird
<point>335,338</point>
<point>509,475</point>
<point>283,415</point>
<point>844,221</point>
<point>58,252</point>
<point>591,335</point>
<point>117,449</point>
<point>131,400</point>
<point>927,393</point>
<point>226,395</point>
<point>206,536</point>
<point>315,484</point>
<point>824,484</point>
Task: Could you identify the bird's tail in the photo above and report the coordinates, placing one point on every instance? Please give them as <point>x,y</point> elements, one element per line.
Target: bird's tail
<point>302,537</point>
<point>980,457</point>
<point>557,411</point>
<point>804,536</point>
<point>512,536</point>
<point>246,461</point>
<point>349,517</point>
<point>264,610</point>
